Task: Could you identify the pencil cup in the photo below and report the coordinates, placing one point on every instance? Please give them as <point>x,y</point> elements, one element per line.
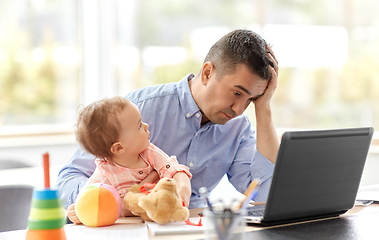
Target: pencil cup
<point>225,225</point>
<point>46,217</point>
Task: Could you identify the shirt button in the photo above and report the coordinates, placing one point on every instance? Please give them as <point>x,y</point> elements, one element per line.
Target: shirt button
<point>140,172</point>
<point>197,114</point>
<point>188,114</point>
<point>191,164</point>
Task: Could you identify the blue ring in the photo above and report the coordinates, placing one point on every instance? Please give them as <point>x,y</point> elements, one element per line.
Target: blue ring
<point>45,193</point>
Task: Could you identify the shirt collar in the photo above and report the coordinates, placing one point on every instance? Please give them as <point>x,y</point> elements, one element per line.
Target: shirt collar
<point>185,97</point>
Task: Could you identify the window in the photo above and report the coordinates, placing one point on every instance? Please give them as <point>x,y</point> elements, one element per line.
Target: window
<point>39,62</point>
<point>55,55</point>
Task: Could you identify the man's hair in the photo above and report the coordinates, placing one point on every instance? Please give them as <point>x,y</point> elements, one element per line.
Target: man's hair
<point>98,128</point>
<point>240,47</point>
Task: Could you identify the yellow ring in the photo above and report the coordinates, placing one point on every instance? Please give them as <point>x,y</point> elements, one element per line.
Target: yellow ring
<point>46,213</point>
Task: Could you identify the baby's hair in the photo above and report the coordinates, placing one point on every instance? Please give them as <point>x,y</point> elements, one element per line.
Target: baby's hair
<point>97,127</point>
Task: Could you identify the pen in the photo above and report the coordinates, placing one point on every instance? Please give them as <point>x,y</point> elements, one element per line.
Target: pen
<point>213,216</point>
<point>245,203</point>
<point>252,192</point>
<point>204,194</point>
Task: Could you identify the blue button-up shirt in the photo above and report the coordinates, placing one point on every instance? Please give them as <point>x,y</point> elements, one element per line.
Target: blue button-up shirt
<point>209,151</point>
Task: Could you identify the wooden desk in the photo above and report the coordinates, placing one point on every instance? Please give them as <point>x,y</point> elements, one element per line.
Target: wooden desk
<point>358,223</point>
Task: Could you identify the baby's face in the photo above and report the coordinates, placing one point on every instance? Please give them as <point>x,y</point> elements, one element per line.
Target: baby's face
<point>134,134</point>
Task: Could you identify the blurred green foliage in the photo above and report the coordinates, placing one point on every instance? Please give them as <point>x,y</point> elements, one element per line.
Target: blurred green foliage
<point>174,73</point>
<point>27,87</point>
<point>333,96</point>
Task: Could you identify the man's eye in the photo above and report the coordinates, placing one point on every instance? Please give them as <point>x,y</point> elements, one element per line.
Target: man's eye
<point>237,93</point>
<point>140,125</point>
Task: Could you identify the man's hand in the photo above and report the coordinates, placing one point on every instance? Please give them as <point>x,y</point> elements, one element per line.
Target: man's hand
<point>265,99</point>
<point>71,214</point>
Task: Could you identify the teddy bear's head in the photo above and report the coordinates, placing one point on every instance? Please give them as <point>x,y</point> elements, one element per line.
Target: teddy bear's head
<point>167,184</point>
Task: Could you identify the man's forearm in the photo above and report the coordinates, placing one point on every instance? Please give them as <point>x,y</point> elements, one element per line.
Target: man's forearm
<point>74,175</point>
<point>267,139</point>
<point>69,188</point>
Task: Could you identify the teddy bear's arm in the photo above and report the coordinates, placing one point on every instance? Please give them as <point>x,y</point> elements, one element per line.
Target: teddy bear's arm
<point>147,203</point>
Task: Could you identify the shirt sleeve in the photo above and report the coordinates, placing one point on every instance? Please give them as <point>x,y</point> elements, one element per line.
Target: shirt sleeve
<point>74,175</point>
<point>250,164</point>
<point>165,166</point>
<point>98,176</point>
<point>263,168</point>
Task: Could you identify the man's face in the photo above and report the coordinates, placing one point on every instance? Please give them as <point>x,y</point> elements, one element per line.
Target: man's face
<point>230,95</point>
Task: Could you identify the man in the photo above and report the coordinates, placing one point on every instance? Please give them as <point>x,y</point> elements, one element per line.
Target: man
<point>200,120</point>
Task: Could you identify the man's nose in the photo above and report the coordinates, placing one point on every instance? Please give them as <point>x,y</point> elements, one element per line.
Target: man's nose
<point>239,107</point>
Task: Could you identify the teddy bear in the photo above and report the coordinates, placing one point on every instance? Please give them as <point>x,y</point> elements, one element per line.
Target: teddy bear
<point>162,205</point>
<point>131,202</point>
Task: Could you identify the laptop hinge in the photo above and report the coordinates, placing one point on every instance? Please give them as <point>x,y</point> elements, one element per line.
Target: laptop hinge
<point>301,219</point>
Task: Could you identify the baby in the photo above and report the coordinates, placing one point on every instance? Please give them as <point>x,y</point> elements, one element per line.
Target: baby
<point>112,130</point>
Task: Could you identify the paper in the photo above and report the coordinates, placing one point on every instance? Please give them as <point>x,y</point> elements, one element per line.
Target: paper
<point>13,235</point>
<point>369,193</point>
<point>116,231</point>
<point>175,227</point>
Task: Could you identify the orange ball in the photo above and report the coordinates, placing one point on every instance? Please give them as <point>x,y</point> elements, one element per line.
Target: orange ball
<point>98,205</point>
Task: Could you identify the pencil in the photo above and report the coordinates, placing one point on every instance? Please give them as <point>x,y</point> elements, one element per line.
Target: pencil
<point>251,187</point>
<point>249,191</point>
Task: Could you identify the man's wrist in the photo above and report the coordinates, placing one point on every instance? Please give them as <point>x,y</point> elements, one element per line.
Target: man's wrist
<point>266,107</point>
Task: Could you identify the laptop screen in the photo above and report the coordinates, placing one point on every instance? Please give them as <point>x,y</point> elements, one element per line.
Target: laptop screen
<point>317,173</point>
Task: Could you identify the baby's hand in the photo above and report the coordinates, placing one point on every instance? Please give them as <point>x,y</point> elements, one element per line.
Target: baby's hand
<point>71,214</point>
<point>153,177</point>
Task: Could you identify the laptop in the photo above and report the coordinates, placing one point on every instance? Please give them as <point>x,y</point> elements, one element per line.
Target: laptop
<point>317,175</point>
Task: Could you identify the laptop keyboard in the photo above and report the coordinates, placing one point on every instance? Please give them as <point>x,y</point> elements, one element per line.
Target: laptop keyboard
<point>255,211</point>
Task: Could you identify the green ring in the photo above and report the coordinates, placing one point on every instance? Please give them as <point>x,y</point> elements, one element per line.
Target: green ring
<point>53,203</point>
<point>48,224</point>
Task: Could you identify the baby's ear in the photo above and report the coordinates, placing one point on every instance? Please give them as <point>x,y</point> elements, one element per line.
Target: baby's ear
<point>117,148</point>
